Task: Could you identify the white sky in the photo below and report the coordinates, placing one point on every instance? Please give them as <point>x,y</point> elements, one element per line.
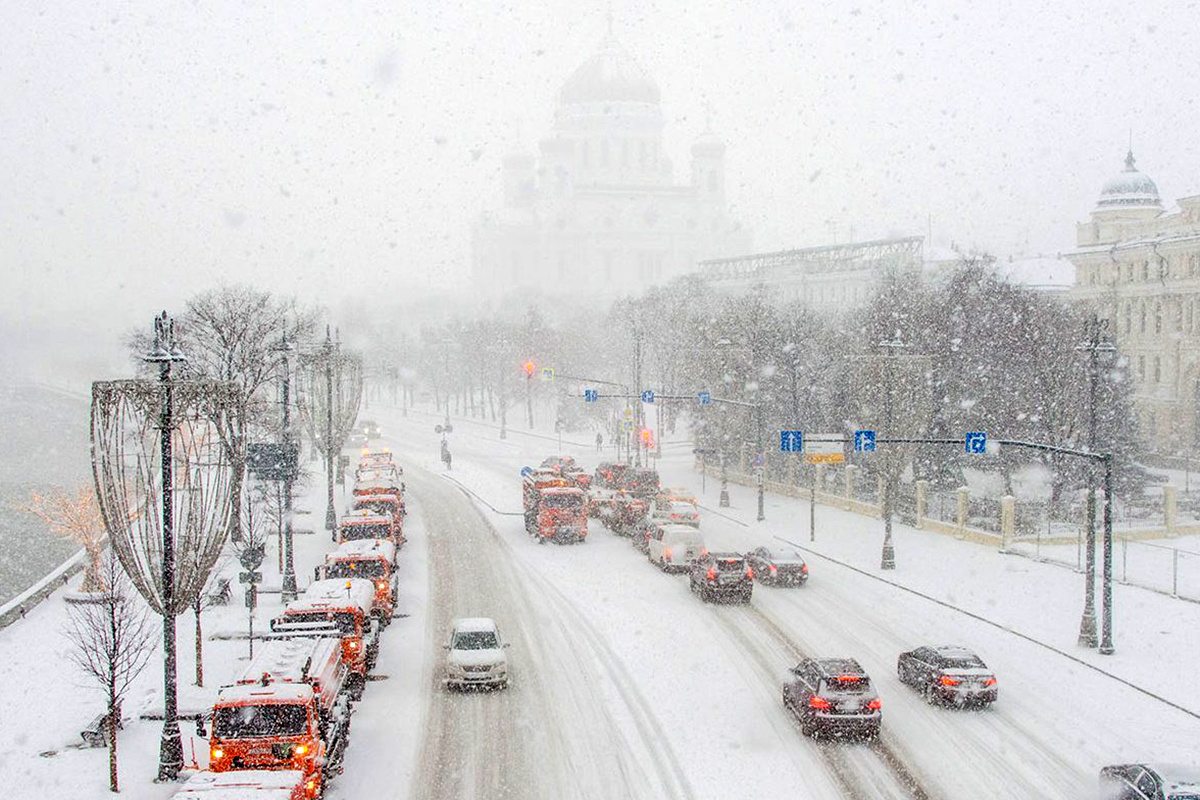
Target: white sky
<point>148,151</point>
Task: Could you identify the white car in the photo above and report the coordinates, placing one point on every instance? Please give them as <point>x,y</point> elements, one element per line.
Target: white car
<point>674,547</point>
<point>475,655</point>
<point>670,512</point>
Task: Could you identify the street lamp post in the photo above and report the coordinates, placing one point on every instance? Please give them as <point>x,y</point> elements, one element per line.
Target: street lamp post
<point>288,588</point>
<point>165,353</point>
<point>758,423</point>
<point>888,559</point>
<point>1095,346</point>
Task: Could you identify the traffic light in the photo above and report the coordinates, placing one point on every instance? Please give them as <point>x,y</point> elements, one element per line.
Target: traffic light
<point>529,369</point>
<point>647,437</point>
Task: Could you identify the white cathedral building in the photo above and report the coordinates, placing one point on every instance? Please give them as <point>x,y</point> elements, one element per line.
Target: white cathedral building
<point>598,208</point>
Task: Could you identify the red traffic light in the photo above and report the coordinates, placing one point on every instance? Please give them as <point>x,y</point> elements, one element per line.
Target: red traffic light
<point>530,367</point>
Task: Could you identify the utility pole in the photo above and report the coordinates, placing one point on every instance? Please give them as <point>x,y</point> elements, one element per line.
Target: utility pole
<point>637,390</point>
<point>758,422</point>
<point>165,353</point>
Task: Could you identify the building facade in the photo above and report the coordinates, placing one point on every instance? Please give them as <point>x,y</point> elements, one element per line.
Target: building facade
<point>598,209</point>
<point>1138,265</point>
<point>833,277</point>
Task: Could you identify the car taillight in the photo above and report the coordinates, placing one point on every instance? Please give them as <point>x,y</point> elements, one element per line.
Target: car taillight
<point>667,554</point>
<point>703,552</point>
<point>875,704</point>
<point>946,680</point>
<point>816,701</point>
<point>804,567</point>
<point>989,682</point>
<point>774,569</point>
<point>711,574</point>
<point>749,573</point>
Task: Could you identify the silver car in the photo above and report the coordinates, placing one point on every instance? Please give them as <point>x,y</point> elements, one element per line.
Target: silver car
<point>475,655</point>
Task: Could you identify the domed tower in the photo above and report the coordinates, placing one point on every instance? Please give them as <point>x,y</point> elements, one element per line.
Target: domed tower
<point>708,168</point>
<point>608,123</point>
<point>1128,200</point>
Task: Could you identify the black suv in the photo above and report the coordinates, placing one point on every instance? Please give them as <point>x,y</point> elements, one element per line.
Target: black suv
<point>722,576</point>
<point>833,695</point>
<point>949,675</point>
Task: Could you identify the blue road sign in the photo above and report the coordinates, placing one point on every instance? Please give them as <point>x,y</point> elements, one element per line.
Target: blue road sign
<point>976,442</point>
<point>705,398</point>
<point>648,396</point>
<point>526,471</point>
<point>864,441</point>
<point>791,441</point>
<point>591,395</point>
<point>759,461</point>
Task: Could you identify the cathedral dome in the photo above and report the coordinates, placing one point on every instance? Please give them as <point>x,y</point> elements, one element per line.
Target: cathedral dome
<point>1129,189</point>
<point>610,76</point>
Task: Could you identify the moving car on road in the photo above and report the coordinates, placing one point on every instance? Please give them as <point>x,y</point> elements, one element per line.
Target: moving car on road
<point>675,512</point>
<point>370,429</point>
<point>833,695</point>
<point>775,571</point>
<point>722,576</point>
<point>674,548</point>
<point>475,655</point>
<point>1149,782</point>
<point>948,674</point>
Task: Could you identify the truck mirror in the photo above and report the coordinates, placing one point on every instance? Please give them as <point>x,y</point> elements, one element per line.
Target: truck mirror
<point>200,729</point>
<point>316,573</point>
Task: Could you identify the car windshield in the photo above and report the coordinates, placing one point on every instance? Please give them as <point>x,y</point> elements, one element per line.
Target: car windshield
<point>244,722</point>
<point>352,533</point>
<point>372,568</point>
<point>962,663</point>
<point>475,640</point>
<point>377,506</point>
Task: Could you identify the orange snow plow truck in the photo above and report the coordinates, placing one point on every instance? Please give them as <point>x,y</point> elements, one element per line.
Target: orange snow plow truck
<point>288,711</point>
<point>555,508</point>
<point>372,559</point>
<point>340,608</point>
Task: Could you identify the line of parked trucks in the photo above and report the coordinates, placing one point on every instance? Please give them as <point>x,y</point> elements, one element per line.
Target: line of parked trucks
<point>279,732</point>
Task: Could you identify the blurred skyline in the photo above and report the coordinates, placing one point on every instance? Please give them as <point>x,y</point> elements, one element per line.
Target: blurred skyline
<point>335,151</point>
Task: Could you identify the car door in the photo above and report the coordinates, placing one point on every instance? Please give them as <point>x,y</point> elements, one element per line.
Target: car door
<point>924,665</point>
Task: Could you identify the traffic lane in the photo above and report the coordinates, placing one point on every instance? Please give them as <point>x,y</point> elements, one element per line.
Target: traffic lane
<point>550,733</point>
<point>682,692</point>
<point>1047,720</point>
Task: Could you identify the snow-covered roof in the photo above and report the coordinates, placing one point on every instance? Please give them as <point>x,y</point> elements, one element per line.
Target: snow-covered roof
<point>250,784</point>
<point>256,694</point>
<point>283,660</point>
<point>335,593</point>
<point>1178,777</point>
<point>365,516</point>
<point>363,548</point>
<point>474,624</point>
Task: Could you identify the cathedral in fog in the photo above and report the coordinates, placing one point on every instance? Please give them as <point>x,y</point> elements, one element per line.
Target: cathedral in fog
<point>598,208</point>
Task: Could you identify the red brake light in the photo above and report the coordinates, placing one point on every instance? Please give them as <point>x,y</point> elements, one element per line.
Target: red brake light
<point>946,680</point>
<point>875,704</point>
<point>848,678</point>
<point>989,682</point>
<point>774,569</point>
<point>804,567</point>
<point>816,701</point>
<point>749,573</point>
<point>711,574</point>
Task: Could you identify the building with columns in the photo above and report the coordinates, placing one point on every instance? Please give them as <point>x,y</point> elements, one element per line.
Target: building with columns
<point>1138,265</point>
<point>598,209</point>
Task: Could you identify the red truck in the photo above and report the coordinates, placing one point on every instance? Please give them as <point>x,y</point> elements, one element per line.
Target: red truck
<point>289,710</point>
<point>339,608</point>
<point>555,508</point>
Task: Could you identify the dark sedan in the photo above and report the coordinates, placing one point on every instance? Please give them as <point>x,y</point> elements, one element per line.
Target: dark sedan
<point>952,675</point>
<point>772,570</point>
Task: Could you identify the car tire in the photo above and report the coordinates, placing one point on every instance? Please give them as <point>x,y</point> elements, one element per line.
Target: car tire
<point>808,727</point>
<point>931,695</point>
<point>705,594</point>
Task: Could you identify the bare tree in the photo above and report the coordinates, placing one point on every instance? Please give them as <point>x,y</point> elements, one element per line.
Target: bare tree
<point>113,639</point>
<point>73,516</point>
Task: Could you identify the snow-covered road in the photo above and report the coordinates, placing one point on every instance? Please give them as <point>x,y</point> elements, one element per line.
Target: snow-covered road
<point>708,678</point>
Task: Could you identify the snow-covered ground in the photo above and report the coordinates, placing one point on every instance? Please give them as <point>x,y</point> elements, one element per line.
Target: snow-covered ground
<point>625,685</point>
